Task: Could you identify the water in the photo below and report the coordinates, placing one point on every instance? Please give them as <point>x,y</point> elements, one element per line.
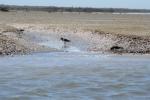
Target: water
<point>74,76</point>
<point>133,13</point>
<point>53,40</point>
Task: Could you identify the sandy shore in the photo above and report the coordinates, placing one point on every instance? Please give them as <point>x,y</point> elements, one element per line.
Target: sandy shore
<point>109,33</point>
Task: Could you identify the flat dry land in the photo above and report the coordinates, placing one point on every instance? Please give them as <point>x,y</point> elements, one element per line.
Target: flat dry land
<point>114,23</point>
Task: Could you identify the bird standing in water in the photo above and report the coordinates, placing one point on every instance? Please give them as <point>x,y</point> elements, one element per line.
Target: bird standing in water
<point>65,41</point>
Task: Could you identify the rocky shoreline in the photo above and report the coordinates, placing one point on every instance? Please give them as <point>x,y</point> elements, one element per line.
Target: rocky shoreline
<point>120,43</point>
<point>13,41</point>
<point>9,46</point>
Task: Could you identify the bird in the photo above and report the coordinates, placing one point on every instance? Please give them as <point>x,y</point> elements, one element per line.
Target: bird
<point>65,41</point>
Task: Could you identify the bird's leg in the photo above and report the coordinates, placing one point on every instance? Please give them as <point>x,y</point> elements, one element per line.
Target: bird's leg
<point>65,44</point>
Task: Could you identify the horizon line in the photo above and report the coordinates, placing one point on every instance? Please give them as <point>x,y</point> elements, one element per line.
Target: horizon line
<point>21,5</point>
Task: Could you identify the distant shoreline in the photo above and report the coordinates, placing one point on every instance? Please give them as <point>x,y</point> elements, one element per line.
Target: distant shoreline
<point>72,9</point>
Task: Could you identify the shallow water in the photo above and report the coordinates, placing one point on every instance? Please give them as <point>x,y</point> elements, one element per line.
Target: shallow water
<point>74,76</point>
<point>53,40</point>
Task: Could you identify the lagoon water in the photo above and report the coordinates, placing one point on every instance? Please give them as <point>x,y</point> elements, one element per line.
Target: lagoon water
<point>74,76</point>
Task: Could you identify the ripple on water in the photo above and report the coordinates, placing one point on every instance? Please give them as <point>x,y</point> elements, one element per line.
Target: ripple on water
<point>74,76</point>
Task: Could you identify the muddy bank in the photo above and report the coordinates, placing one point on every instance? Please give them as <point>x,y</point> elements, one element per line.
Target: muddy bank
<point>119,43</point>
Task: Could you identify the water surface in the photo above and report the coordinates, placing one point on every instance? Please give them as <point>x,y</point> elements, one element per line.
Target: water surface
<point>74,76</point>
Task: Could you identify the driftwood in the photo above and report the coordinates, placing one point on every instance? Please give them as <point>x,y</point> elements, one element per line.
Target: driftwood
<point>117,49</point>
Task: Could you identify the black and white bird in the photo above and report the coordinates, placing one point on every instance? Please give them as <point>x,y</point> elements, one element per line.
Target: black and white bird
<point>65,41</point>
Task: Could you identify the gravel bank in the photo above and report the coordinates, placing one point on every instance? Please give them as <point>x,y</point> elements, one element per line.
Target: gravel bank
<point>119,43</point>
<point>10,46</point>
<point>14,42</point>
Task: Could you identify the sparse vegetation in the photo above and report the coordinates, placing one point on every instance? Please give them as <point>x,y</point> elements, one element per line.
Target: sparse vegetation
<point>4,9</point>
